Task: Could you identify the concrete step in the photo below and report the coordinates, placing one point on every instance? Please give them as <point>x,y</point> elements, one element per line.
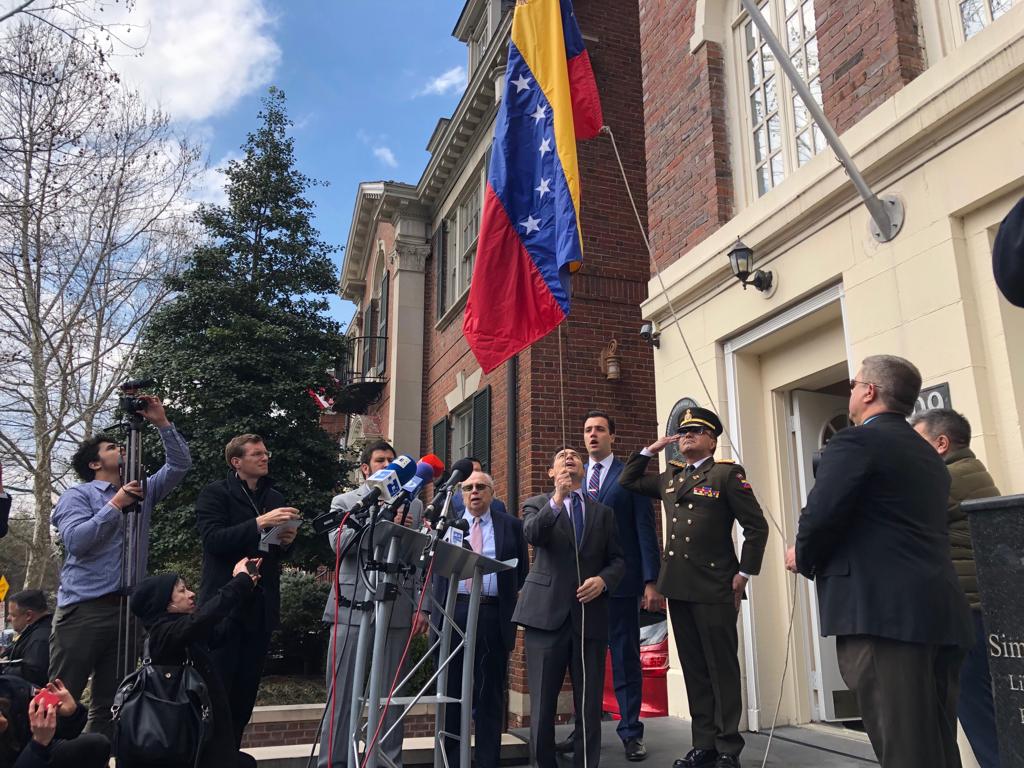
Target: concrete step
<point>415,751</point>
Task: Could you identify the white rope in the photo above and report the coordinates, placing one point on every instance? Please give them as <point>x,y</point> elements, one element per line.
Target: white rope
<point>707,391</point>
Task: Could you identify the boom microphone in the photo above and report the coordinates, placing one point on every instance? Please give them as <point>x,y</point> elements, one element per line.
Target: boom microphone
<point>428,469</point>
<point>461,469</point>
<point>384,483</point>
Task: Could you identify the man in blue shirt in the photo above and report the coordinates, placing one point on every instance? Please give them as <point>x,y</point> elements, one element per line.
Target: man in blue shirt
<point>90,522</point>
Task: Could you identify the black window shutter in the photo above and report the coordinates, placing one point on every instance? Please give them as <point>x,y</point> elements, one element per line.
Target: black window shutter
<point>382,325</point>
<point>368,330</point>
<point>482,428</point>
<point>439,441</point>
<point>440,241</point>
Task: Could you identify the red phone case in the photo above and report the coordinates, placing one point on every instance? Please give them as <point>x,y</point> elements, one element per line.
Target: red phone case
<point>46,698</point>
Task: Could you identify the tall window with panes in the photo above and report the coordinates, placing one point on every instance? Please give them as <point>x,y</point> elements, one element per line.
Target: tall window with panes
<point>780,134</point>
<point>975,15</point>
<point>463,230</point>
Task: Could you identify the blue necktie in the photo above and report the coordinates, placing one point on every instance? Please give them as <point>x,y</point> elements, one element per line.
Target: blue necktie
<point>577,517</point>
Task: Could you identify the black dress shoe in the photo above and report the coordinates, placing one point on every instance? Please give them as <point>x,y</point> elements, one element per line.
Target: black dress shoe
<point>697,758</point>
<point>635,750</point>
<point>566,746</point>
<point>727,761</point>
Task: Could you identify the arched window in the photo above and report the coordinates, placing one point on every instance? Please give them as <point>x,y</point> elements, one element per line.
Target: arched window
<point>778,134</point>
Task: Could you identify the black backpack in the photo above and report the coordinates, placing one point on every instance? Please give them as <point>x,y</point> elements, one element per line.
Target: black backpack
<point>162,715</point>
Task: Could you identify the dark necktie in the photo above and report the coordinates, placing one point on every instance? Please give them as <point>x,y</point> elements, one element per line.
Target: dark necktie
<point>577,517</point>
<point>594,486</point>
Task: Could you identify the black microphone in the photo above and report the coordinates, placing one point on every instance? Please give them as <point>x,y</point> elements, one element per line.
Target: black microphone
<point>461,469</point>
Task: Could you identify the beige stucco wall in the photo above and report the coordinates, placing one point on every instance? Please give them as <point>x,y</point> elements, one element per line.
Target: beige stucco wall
<point>950,146</point>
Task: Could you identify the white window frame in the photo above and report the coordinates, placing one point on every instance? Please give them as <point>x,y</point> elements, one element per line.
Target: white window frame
<point>463,221</point>
<point>791,150</point>
<point>478,41</point>
<point>462,429</point>
<point>989,10</point>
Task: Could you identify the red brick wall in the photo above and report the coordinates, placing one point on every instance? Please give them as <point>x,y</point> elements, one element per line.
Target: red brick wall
<point>689,180</point>
<point>869,50</point>
<point>304,731</point>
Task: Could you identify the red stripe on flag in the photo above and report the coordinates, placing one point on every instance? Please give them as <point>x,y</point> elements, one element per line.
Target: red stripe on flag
<point>586,102</point>
<point>509,305</point>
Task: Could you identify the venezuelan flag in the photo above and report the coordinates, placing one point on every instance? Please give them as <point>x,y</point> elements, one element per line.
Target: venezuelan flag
<point>530,239</point>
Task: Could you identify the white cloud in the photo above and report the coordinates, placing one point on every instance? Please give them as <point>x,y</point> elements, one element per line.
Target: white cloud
<point>452,81</point>
<point>209,187</point>
<point>386,156</point>
<point>199,57</point>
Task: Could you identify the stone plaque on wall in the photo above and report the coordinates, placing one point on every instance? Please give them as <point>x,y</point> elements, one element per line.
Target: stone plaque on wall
<point>997,532</point>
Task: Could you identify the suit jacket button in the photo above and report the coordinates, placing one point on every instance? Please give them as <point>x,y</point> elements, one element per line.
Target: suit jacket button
<point>674,520</point>
<point>671,554</point>
<point>687,539</point>
<point>686,556</point>
<point>712,565</point>
<point>673,536</point>
<point>689,522</point>
<point>690,506</point>
<point>678,504</point>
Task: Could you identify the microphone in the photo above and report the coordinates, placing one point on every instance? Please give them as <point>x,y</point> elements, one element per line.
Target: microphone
<point>461,469</point>
<point>428,469</point>
<point>386,483</point>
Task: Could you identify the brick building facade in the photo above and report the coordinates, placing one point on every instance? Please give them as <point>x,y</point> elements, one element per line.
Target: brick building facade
<point>409,260</point>
<point>926,96</point>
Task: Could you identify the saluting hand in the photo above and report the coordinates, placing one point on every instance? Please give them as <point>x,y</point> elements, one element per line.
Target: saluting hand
<point>661,443</point>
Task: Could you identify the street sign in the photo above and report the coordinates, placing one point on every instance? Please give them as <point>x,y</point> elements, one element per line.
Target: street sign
<point>4,586</point>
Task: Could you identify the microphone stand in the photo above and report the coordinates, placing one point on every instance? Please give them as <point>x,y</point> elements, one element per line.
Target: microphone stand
<point>131,469</point>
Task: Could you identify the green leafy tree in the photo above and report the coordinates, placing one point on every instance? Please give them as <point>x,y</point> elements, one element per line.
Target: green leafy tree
<point>246,338</point>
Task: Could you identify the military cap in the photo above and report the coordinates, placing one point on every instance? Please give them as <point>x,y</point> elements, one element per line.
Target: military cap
<point>1008,256</point>
<point>701,417</point>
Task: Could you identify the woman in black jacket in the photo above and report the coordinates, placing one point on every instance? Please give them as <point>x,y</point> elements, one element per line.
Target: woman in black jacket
<point>177,631</point>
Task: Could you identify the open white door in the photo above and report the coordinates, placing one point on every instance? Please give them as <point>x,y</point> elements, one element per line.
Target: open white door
<point>816,417</point>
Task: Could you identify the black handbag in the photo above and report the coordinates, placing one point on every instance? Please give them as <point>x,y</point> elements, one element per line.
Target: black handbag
<point>162,715</point>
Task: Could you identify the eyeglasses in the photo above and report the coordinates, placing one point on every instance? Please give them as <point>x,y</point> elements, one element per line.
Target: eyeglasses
<point>260,455</point>
<point>470,487</point>
<point>691,431</point>
<point>855,382</point>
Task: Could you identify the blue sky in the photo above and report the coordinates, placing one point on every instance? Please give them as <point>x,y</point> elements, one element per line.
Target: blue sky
<point>365,80</point>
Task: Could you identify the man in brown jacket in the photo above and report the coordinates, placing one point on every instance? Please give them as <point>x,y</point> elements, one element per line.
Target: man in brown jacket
<point>950,434</point>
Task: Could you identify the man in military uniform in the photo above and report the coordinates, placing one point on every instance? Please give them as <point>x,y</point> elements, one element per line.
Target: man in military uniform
<point>701,577</point>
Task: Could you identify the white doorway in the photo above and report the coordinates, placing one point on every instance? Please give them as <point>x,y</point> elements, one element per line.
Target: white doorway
<point>815,416</point>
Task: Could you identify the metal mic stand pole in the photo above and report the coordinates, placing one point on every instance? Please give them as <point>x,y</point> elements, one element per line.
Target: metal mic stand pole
<point>384,596</point>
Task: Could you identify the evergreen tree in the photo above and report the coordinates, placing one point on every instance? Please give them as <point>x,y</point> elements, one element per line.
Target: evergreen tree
<point>245,339</point>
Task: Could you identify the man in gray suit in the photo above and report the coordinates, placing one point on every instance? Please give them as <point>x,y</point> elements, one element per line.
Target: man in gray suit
<point>564,607</point>
<point>345,616</point>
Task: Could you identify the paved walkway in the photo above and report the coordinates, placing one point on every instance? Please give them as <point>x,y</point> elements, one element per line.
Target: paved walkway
<point>668,738</point>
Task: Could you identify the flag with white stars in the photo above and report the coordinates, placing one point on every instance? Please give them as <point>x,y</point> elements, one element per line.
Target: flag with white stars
<point>530,239</point>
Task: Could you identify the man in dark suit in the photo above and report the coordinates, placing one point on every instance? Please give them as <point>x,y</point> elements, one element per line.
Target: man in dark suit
<point>701,576</point>
<point>639,541</point>
<point>875,538</point>
<point>231,514</point>
<point>498,535</point>
<point>564,607</point>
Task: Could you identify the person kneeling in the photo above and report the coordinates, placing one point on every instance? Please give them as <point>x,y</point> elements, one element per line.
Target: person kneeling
<point>178,630</point>
<point>35,734</point>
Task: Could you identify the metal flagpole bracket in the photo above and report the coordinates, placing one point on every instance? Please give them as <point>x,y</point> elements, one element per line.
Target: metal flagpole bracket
<point>887,212</point>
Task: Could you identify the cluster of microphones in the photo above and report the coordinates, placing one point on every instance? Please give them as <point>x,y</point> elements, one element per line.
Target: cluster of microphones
<point>390,489</point>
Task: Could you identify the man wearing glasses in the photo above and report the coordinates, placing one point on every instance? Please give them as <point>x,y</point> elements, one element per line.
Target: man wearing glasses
<point>498,535</point>
<point>874,536</point>
<point>701,577</point>
<point>231,515</point>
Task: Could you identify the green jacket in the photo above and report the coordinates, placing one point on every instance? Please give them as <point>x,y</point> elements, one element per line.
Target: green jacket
<point>970,480</point>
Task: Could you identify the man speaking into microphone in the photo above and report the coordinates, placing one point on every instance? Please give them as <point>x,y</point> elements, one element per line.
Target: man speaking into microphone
<point>564,607</point>
<point>344,613</point>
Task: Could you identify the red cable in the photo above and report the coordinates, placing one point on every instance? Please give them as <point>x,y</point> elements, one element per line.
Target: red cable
<point>398,670</point>
<point>334,638</point>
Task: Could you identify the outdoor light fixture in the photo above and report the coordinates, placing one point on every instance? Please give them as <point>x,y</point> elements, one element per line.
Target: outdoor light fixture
<point>741,259</point>
<point>609,361</point>
<point>649,335</point>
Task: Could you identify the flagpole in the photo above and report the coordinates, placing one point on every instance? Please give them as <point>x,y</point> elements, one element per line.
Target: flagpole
<point>886,212</point>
